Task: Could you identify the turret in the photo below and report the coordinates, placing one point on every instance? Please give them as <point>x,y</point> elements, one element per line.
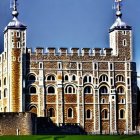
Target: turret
<point>120,35</point>
<point>15,49</point>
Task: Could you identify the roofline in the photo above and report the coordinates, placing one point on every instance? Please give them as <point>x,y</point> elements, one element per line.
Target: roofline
<point>16,28</point>
<point>120,28</point>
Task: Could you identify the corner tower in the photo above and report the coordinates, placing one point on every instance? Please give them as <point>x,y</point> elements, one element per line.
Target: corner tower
<point>15,50</point>
<point>121,35</point>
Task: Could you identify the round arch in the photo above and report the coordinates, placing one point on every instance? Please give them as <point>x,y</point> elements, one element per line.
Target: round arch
<point>88,89</point>
<point>121,89</point>
<point>33,109</point>
<point>104,88</point>
<point>32,73</point>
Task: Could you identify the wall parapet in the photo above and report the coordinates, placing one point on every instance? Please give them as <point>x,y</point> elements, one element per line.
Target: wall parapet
<point>72,51</point>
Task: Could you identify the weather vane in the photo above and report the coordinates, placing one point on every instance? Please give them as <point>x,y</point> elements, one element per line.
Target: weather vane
<point>117,5</point>
<point>13,4</point>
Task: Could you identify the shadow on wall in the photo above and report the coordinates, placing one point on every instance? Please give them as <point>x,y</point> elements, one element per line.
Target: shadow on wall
<point>138,107</point>
<point>46,126</point>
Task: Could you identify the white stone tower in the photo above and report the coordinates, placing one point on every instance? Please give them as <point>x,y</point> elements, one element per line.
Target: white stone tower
<point>121,35</point>
<point>121,43</point>
<point>15,50</point>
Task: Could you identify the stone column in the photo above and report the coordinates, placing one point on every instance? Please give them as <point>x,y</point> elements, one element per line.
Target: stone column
<point>59,99</point>
<point>41,93</point>
<point>128,112</point>
<point>97,112</point>
<point>112,101</point>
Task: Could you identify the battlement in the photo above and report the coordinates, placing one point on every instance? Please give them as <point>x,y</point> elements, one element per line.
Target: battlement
<point>16,114</point>
<point>72,51</point>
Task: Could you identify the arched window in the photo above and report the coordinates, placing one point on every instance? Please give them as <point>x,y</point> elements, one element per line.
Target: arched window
<point>5,81</point>
<point>88,114</point>
<point>51,78</point>
<point>87,79</point>
<point>87,89</point>
<point>103,101</point>
<point>32,77</point>
<point>73,78</point>
<point>103,78</point>
<point>32,89</point>
<point>103,90</point>
<point>51,112</point>
<point>120,78</point>
<point>70,89</point>
<point>51,90</point>
<point>5,92</point>
<point>33,109</point>
<point>122,114</point>
<point>66,78</point>
<point>104,114</point>
<point>120,90</point>
<point>70,113</point>
<point>122,101</point>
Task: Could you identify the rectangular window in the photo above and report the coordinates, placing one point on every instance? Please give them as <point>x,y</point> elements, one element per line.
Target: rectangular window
<point>40,65</point>
<point>111,66</point>
<point>124,42</point>
<point>124,32</point>
<point>59,65</point>
<point>128,81</point>
<point>18,34</point>
<point>95,66</point>
<point>18,44</point>
<point>79,66</point>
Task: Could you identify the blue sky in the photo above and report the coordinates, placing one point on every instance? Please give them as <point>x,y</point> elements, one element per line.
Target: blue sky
<point>71,23</point>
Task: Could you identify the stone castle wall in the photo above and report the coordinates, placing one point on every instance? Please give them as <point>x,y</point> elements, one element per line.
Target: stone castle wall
<point>17,123</point>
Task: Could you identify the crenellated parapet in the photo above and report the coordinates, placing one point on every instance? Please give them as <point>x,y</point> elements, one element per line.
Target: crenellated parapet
<point>78,53</point>
<point>72,51</point>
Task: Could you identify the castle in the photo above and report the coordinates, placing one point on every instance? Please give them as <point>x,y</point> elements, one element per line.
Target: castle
<point>95,89</point>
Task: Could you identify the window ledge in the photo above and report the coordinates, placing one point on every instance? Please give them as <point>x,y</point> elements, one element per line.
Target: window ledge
<point>105,119</point>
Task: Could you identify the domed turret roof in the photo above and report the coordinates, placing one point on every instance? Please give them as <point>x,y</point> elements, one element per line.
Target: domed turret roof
<point>119,24</point>
<point>15,23</point>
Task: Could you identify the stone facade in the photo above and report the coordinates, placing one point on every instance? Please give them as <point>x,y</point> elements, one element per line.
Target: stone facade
<point>95,89</point>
